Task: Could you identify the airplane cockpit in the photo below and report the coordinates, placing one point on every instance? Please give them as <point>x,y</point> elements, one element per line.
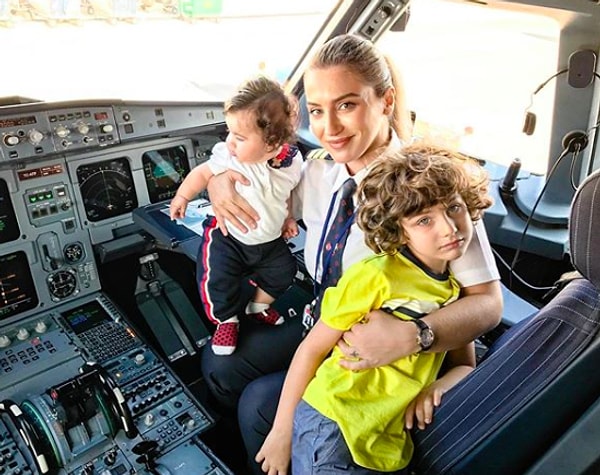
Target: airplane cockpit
<point>101,327</point>
<point>98,398</point>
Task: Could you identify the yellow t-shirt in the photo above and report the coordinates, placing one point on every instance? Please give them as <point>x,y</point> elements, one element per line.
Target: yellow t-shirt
<point>369,405</point>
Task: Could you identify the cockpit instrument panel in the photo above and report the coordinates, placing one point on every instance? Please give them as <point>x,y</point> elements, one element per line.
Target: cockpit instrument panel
<point>9,227</point>
<point>164,170</point>
<point>17,290</point>
<point>107,188</point>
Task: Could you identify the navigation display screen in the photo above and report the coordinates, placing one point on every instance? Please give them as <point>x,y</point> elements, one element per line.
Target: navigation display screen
<point>17,290</point>
<point>9,228</point>
<point>164,170</point>
<point>86,316</point>
<point>107,188</point>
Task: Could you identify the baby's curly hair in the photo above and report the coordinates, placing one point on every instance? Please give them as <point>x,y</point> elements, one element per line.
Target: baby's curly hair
<point>276,112</point>
<point>404,182</point>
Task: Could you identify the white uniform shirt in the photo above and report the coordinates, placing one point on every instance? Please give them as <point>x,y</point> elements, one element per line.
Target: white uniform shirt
<point>267,193</point>
<point>321,179</point>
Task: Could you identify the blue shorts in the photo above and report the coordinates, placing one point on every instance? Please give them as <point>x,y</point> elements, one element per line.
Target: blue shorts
<point>318,447</point>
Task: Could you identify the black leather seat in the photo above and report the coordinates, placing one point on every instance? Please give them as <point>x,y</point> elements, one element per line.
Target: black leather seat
<point>524,407</point>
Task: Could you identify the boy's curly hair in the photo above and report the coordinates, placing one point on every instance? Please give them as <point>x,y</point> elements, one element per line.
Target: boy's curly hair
<point>405,182</point>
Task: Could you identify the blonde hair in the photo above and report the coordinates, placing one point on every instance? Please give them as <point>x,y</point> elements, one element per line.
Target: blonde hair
<point>275,111</point>
<point>404,182</point>
<point>361,57</point>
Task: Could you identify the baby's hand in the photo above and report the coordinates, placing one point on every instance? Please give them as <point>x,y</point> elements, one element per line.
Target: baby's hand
<point>177,207</point>
<point>289,228</point>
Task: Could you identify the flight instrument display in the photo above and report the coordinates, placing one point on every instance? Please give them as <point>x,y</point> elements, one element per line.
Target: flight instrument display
<point>9,228</point>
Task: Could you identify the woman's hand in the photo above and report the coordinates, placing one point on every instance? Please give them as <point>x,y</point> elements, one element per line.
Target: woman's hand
<point>379,340</point>
<point>228,205</point>
<point>274,455</point>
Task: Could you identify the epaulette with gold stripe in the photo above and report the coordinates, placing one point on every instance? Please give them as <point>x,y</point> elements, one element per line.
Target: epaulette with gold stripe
<point>318,154</point>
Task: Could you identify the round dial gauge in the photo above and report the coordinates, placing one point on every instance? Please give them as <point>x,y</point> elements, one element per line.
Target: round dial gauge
<point>62,284</point>
<point>73,252</point>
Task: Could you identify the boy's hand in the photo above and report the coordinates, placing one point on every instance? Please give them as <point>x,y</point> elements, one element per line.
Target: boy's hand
<point>422,406</point>
<point>177,207</point>
<point>275,453</point>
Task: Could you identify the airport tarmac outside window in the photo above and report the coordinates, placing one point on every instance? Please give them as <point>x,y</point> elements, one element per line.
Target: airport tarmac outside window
<point>470,71</point>
<point>154,50</point>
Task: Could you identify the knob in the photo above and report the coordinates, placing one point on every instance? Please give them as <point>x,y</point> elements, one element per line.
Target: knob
<point>110,458</point>
<point>190,424</point>
<point>83,129</point>
<point>106,128</point>
<point>62,131</point>
<point>11,140</point>
<point>35,136</point>
<point>149,419</point>
<point>22,334</point>
<point>140,359</point>
<point>87,470</point>
<point>41,327</point>
<point>4,341</point>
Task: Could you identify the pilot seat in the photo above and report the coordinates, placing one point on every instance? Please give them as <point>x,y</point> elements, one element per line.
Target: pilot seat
<point>531,406</point>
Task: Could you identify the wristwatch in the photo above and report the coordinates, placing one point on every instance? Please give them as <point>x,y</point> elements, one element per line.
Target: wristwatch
<point>425,337</point>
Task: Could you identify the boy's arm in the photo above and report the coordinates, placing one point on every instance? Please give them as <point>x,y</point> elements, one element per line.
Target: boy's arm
<point>195,182</point>
<point>276,450</point>
<point>459,363</point>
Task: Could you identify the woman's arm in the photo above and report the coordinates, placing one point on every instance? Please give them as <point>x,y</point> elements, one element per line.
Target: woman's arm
<point>385,338</point>
<point>276,450</point>
<point>228,205</point>
<point>459,363</point>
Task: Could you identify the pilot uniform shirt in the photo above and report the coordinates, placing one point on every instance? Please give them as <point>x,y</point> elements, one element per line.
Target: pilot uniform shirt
<point>268,192</point>
<point>369,406</point>
<point>322,178</point>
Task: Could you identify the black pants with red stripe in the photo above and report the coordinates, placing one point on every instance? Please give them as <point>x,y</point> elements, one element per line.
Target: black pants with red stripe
<point>224,262</point>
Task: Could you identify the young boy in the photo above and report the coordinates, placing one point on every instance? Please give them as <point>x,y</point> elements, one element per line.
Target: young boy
<point>416,209</point>
<point>261,120</point>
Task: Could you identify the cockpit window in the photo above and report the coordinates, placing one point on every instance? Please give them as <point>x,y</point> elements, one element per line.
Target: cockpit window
<point>471,71</point>
<point>158,50</point>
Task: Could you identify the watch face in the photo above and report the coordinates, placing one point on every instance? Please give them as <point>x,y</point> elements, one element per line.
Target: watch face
<point>426,338</point>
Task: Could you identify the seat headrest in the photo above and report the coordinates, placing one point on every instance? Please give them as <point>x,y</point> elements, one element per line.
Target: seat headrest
<point>584,229</point>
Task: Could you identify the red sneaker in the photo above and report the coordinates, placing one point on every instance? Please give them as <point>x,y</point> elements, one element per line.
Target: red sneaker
<point>225,338</point>
<point>269,316</point>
